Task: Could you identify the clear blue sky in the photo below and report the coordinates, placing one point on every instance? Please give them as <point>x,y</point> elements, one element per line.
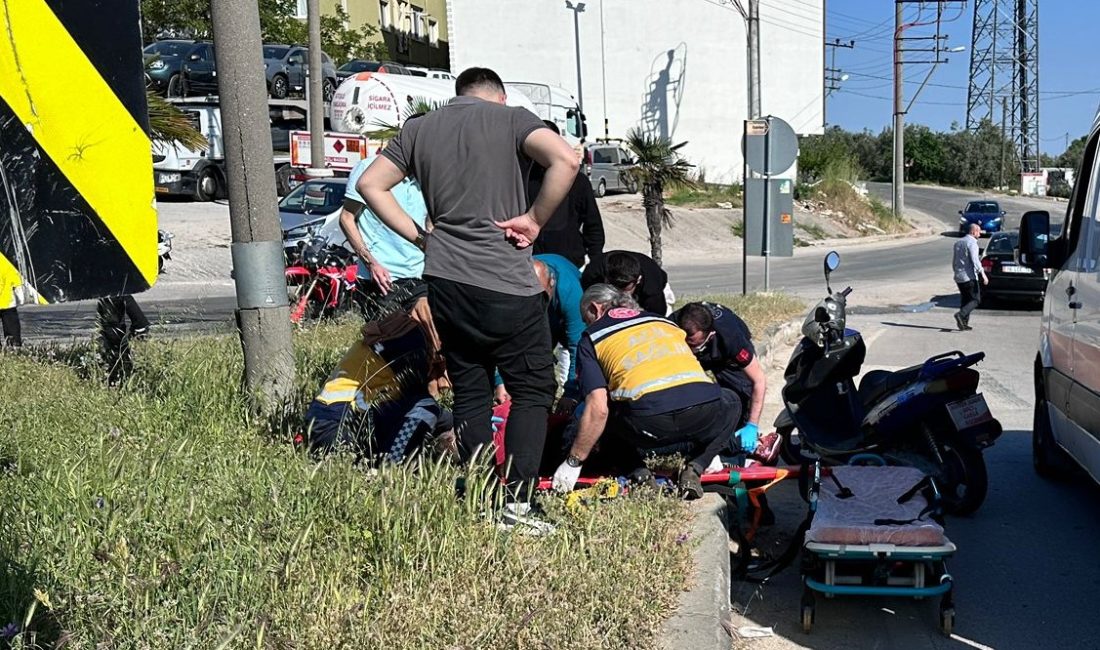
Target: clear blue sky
<point>1066,38</point>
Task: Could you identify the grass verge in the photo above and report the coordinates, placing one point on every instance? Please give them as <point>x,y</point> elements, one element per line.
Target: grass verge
<point>159,515</point>
<point>864,214</point>
<point>706,195</point>
<point>759,310</point>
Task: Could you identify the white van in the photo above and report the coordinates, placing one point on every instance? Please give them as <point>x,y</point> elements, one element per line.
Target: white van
<point>1067,366</point>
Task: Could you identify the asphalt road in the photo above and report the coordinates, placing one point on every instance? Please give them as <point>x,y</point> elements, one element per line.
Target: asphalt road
<point>894,272</point>
<point>1026,571</point>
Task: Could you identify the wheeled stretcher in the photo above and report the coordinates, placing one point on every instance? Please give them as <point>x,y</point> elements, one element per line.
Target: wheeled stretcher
<point>875,531</point>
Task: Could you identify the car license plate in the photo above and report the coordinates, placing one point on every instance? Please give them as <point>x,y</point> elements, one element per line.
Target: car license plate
<point>969,412</point>
<point>1012,268</point>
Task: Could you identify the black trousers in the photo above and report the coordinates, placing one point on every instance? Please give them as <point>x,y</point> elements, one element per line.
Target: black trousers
<point>700,432</point>
<point>13,332</point>
<point>970,294</point>
<point>114,339</point>
<point>483,331</point>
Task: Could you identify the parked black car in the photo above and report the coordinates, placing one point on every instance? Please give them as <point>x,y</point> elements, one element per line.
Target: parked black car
<point>1007,278</point>
<point>355,66</point>
<point>286,66</point>
<point>164,62</point>
<point>200,72</point>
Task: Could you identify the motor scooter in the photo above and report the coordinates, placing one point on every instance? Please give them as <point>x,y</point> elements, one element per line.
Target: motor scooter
<point>929,416</point>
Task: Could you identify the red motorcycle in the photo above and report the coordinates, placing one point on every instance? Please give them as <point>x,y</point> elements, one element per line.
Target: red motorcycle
<point>321,280</point>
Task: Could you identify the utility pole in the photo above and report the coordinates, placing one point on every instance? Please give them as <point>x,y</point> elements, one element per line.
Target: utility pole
<point>1004,127</point>
<point>833,75</point>
<point>900,107</point>
<point>316,93</point>
<point>263,317</point>
<point>577,10</point>
<point>899,116</point>
<point>753,23</point>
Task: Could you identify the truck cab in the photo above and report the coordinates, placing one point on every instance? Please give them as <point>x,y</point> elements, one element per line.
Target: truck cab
<point>178,170</point>
<point>200,173</point>
<point>1067,366</point>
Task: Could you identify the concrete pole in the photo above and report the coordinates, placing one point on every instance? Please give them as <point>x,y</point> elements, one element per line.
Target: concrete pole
<point>263,317</point>
<point>899,117</point>
<point>316,92</point>
<point>754,58</point>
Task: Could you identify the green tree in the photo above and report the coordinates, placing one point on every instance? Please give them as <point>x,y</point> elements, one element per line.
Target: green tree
<point>925,153</point>
<point>659,167</point>
<point>191,19</point>
<point>1073,156</point>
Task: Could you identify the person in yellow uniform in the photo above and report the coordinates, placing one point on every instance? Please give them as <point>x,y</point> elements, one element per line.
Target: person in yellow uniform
<point>376,403</point>
<point>644,387</point>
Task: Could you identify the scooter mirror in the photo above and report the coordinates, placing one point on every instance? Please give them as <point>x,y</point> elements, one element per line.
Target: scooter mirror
<point>832,261</point>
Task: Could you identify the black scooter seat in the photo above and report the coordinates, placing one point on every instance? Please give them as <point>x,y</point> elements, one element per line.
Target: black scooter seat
<point>877,384</point>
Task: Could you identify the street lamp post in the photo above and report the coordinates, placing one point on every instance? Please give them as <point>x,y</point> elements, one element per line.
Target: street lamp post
<point>577,9</point>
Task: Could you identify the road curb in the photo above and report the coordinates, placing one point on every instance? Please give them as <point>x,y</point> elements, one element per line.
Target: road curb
<point>701,621</point>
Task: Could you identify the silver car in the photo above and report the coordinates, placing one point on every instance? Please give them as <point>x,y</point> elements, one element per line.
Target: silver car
<point>609,166</point>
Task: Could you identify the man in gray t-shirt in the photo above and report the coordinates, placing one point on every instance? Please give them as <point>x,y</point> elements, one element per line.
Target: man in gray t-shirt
<point>472,157</point>
<point>966,268</point>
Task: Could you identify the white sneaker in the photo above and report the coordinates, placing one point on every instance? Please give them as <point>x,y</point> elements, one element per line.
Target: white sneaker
<point>716,465</point>
<point>519,517</point>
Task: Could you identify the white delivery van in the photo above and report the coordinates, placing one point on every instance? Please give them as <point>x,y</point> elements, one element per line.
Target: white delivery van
<point>1067,365</point>
<point>369,102</point>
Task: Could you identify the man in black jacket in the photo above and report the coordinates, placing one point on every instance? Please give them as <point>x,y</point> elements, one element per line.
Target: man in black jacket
<point>575,230</point>
<point>632,273</point>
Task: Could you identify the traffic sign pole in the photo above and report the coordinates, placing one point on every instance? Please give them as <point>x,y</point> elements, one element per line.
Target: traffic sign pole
<point>745,216</point>
<point>767,192</point>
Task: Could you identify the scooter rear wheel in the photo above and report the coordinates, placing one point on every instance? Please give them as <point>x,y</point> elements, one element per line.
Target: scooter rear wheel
<point>967,480</point>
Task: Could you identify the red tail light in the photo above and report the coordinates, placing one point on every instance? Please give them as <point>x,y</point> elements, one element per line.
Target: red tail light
<point>963,380</point>
<point>987,264</point>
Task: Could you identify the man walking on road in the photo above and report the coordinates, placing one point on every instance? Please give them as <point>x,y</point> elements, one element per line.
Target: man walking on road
<point>968,269</point>
<point>471,158</point>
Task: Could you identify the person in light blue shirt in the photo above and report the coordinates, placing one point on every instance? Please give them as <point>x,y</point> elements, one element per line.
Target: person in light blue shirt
<point>384,256</point>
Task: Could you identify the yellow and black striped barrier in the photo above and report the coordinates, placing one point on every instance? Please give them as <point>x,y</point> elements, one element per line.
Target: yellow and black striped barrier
<point>77,214</point>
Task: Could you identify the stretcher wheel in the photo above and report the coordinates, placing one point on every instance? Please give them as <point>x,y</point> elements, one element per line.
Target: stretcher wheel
<point>807,609</point>
<point>947,620</point>
<point>807,618</point>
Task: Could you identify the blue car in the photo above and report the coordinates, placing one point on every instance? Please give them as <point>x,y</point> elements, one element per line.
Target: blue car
<point>987,214</point>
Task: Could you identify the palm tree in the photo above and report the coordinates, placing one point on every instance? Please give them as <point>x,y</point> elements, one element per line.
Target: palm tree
<point>170,124</point>
<point>658,167</point>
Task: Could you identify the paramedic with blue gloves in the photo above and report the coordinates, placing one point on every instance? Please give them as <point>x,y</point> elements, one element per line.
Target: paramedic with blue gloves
<point>645,388</point>
<point>723,345</point>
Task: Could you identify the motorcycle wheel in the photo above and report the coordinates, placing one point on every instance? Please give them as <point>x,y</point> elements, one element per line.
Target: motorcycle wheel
<point>967,481</point>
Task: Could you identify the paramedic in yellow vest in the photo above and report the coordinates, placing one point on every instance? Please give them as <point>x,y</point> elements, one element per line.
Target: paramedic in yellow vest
<point>376,402</point>
<point>644,387</point>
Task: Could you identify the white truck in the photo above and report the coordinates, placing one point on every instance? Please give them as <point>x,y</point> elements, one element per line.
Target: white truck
<point>370,102</point>
<point>200,173</point>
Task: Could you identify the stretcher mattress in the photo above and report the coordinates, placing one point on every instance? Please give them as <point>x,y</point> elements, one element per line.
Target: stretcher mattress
<point>875,493</point>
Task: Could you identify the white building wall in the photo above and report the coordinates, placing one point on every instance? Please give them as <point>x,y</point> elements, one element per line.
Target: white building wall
<point>676,67</point>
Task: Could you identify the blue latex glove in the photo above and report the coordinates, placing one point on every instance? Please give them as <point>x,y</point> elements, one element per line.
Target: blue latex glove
<point>747,437</point>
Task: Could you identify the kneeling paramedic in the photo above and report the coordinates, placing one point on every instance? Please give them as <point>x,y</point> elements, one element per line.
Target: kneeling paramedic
<point>643,385</point>
<point>722,343</point>
<point>376,402</point>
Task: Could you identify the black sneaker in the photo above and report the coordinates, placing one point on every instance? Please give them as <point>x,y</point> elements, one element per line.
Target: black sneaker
<point>139,332</point>
<point>961,323</point>
<point>690,486</point>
